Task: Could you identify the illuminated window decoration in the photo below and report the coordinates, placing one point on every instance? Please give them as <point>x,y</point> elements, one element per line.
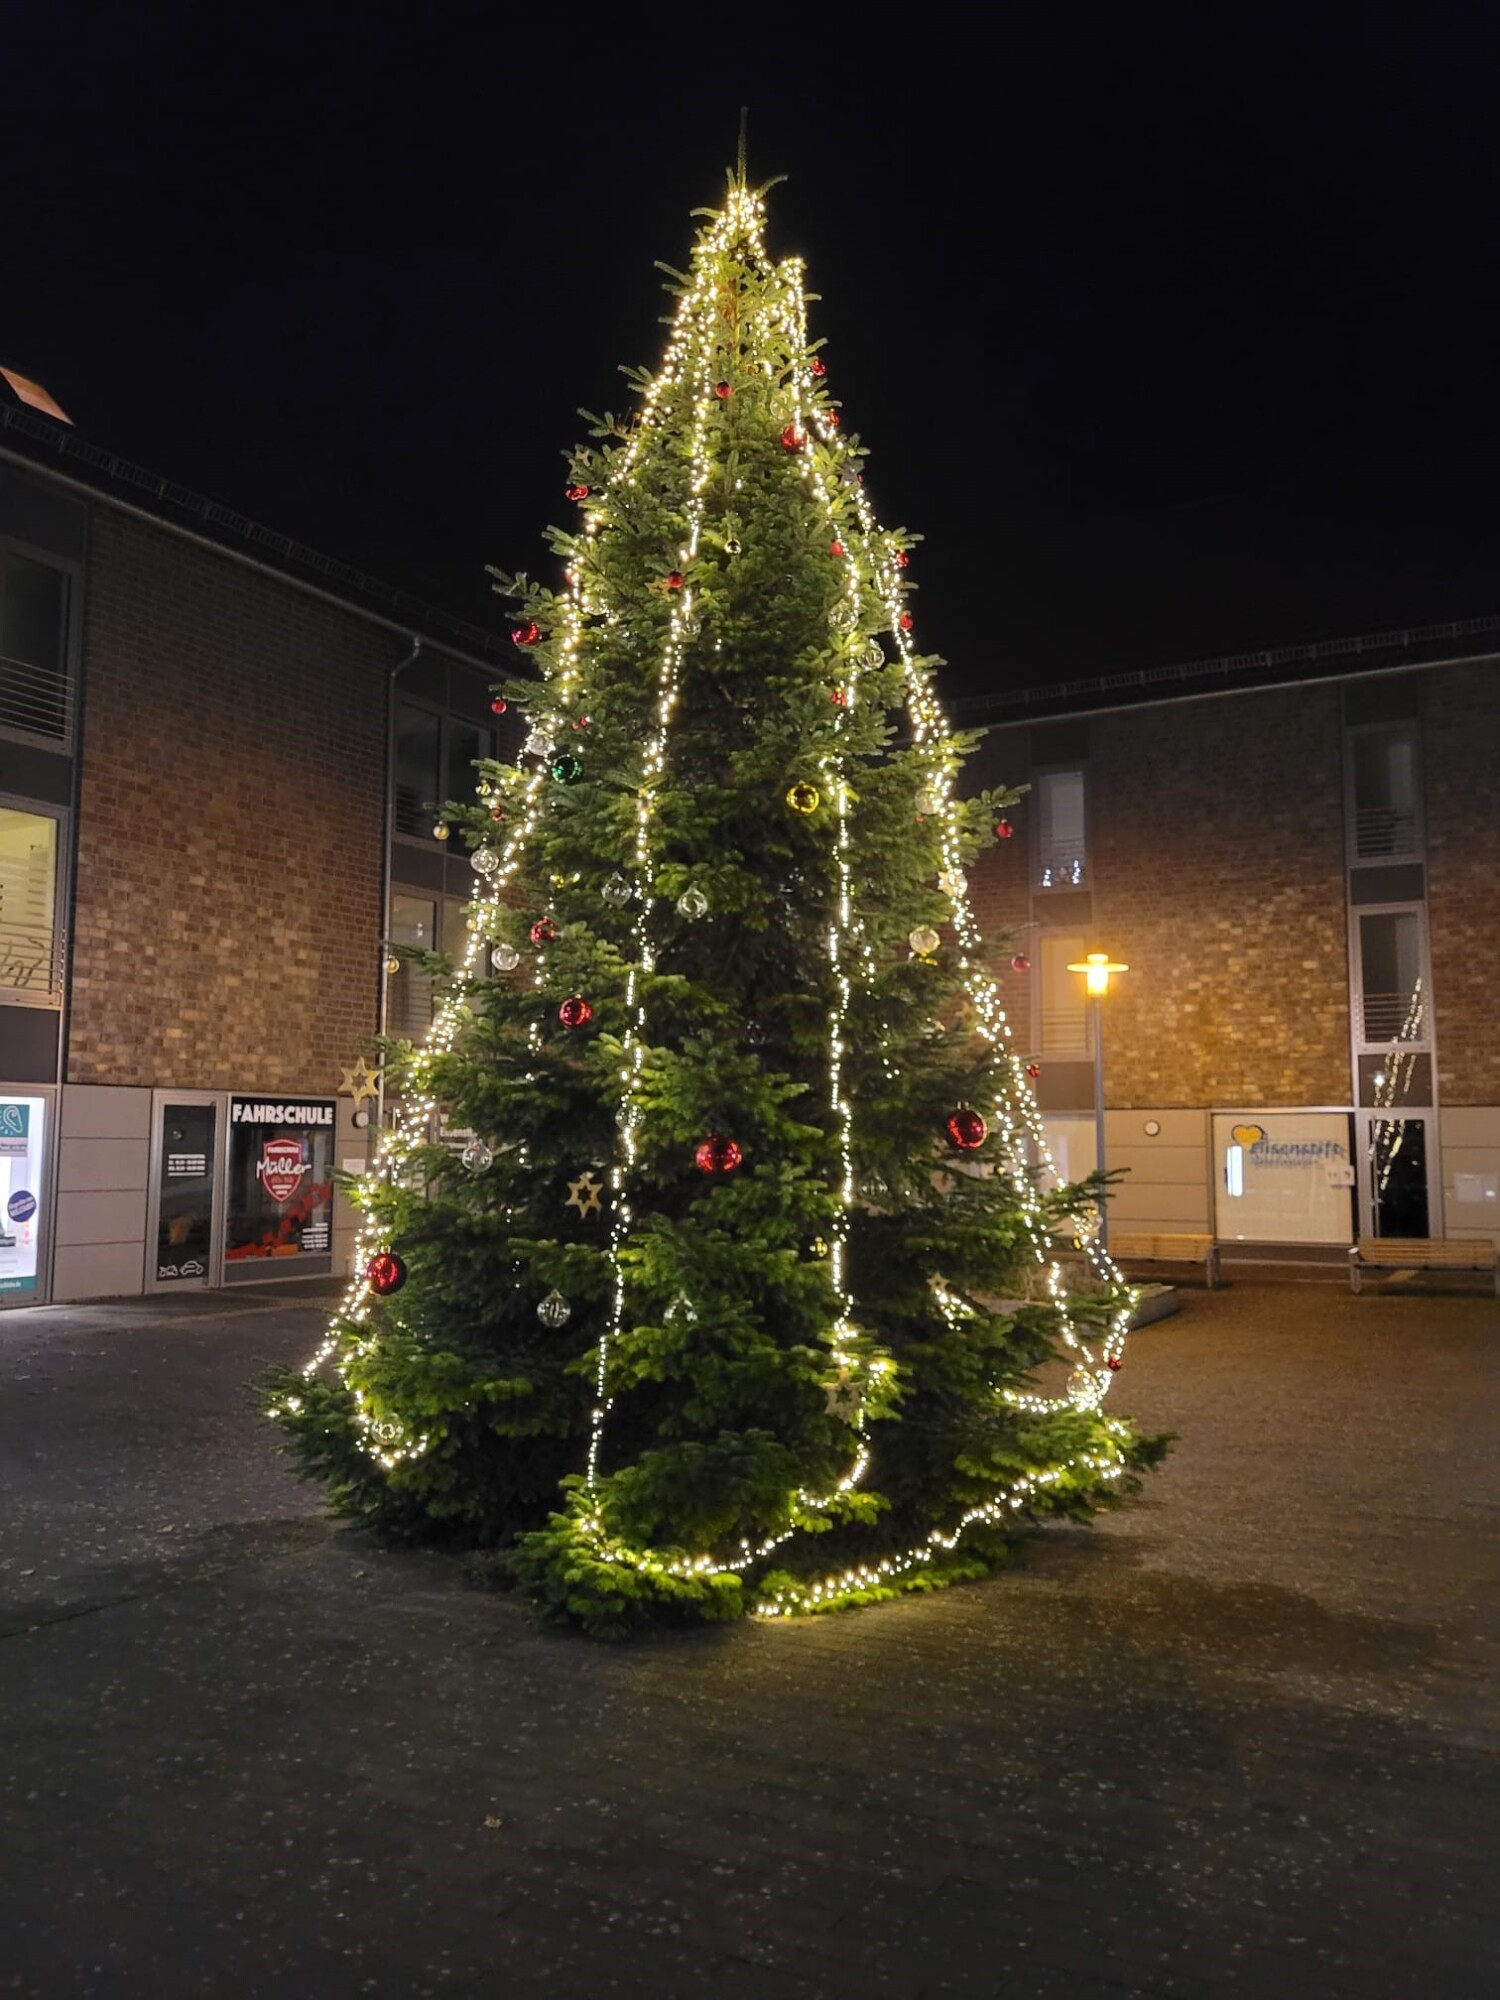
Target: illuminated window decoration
<point>860,1388</point>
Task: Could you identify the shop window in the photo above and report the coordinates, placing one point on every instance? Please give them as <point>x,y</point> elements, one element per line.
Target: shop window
<point>1060,860</point>
<point>34,686</point>
<point>1062,1012</point>
<point>30,948</point>
<point>1383,771</point>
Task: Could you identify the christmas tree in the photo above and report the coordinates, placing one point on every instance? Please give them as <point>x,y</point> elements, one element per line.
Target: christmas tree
<point>708,1266</point>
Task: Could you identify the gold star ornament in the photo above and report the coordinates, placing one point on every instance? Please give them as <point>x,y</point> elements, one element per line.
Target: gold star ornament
<point>583,1194</point>
<point>359,1082</point>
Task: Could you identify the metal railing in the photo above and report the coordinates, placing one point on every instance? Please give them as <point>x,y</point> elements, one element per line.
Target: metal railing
<point>32,958</point>
<point>1383,832</point>
<point>36,699</point>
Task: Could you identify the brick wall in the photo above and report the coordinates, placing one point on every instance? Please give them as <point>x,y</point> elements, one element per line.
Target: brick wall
<point>1216,862</point>
<point>1460,724</point>
<point>227,915</point>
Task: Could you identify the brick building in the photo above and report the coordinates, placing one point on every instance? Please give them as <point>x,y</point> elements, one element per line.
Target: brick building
<point>219,758</point>
<point>219,754</point>
<point>1297,857</point>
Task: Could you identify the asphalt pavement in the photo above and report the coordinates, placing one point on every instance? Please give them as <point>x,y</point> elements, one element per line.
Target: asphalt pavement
<point>1239,1739</point>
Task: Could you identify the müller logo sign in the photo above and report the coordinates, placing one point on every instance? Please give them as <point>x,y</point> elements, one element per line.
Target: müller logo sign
<point>280,1168</point>
<point>245,1111</point>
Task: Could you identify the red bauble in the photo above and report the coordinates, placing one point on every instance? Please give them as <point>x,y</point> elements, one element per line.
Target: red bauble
<point>575,1012</point>
<point>1033,1069</point>
<point>527,634</point>
<point>831,418</point>
<point>499,705</point>
<point>723,391</point>
<point>1115,1361</point>
<point>792,438</point>
<point>819,366</point>
<point>905,621</point>
<point>580,722</point>
<point>902,559</point>
<point>838,697</point>
<point>717,1154</point>
<point>385,1273</point>
<point>543,931</point>
<point>1004,830</point>
<point>674,579</point>
<point>576,492</point>
<point>965,1128</point>
<point>835,548</point>
<point>1020,963</point>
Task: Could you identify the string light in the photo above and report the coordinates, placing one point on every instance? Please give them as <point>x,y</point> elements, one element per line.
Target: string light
<point>871,563</point>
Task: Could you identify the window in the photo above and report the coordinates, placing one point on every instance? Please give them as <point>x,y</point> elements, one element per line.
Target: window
<point>1062,1011</point>
<point>30,949</point>
<point>34,686</point>
<point>1383,777</point>
<point>434,761</point>
<point>1392,1001</point>
<point>409,989</point>
<point>1060,859</point>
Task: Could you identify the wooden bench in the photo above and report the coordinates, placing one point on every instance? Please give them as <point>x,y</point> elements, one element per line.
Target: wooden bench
<point>1422,1253</point>
<point>1127,1246</point>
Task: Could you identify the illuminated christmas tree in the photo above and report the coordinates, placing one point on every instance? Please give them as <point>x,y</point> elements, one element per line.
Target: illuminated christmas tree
<point>736,1290</point>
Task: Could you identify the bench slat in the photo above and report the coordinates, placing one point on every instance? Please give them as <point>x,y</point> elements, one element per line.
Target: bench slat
<point>1430,1253</point>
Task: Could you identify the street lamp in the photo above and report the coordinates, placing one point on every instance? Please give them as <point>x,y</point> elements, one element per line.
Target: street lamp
<point>1096,966</point>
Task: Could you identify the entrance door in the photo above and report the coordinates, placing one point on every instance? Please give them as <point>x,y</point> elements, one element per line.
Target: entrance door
<point>182,1231</point>
<point>1394,1175</point>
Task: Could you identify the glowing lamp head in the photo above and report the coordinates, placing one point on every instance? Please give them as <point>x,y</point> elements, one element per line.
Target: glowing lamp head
<point>1096,966</point>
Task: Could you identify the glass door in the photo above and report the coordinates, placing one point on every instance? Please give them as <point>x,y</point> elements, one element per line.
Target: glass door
<point>1394,1173</point>
<point>186,1194</point>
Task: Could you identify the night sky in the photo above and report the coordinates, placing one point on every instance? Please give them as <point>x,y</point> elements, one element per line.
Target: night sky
<point>1168,348</point>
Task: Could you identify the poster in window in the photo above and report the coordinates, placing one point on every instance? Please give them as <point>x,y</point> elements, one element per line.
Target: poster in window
<point>1284,1176</point>
<point>185,1194</point>
<point>279,1199</point>
<point>22,1121</point>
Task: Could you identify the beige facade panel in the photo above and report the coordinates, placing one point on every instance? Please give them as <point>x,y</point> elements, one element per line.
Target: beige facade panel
<point>95,1111</point>
<point>86,1166</point>
<point>1471,1125</point>
<point>96,1271</point>
<point>1159,1205</point>
<point>1177,1128</point>
<point>1175,1166</point>
<point>110,1216</point>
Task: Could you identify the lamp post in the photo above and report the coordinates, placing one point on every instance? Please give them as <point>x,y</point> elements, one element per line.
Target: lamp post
<point>1096,967</point>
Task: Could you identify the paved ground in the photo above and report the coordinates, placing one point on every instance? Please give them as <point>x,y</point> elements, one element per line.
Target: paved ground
<point>1241,1739</point>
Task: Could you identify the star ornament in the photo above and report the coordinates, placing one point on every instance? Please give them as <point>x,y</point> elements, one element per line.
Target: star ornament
<point>359,1082</point>
<point>843,1396</point>
<point>584,1193</point>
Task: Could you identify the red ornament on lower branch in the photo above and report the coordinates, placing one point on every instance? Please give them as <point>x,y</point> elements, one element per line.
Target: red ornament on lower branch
<point>1033,1069</point>
<point>575,1012</point>
<point>543,931</point>
<point>966,1129</point>
<point>527,634</point>
<point>385,1273</point>
<point>717,1154</point>
<point>1115,1361</point>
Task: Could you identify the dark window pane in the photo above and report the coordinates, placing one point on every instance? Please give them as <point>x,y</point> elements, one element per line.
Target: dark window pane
<point>33,620</point>
<point>466,744</point>
<point>1398,1175</point>
<point>416,769</point>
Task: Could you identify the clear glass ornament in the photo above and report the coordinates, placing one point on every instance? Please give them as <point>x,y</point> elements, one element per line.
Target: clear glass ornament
<point>554,1310</point>
<point>873,657</point>
<point>843,616</point>
<point>928,802</point>
<point>692,904</point>
<point>504,957</point>
<point>924,940</point>
<point>484,861</point>
<point>476,1156</point>
<point>538,744</point>
<point>616,892</point>
<point>681,1312</point>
